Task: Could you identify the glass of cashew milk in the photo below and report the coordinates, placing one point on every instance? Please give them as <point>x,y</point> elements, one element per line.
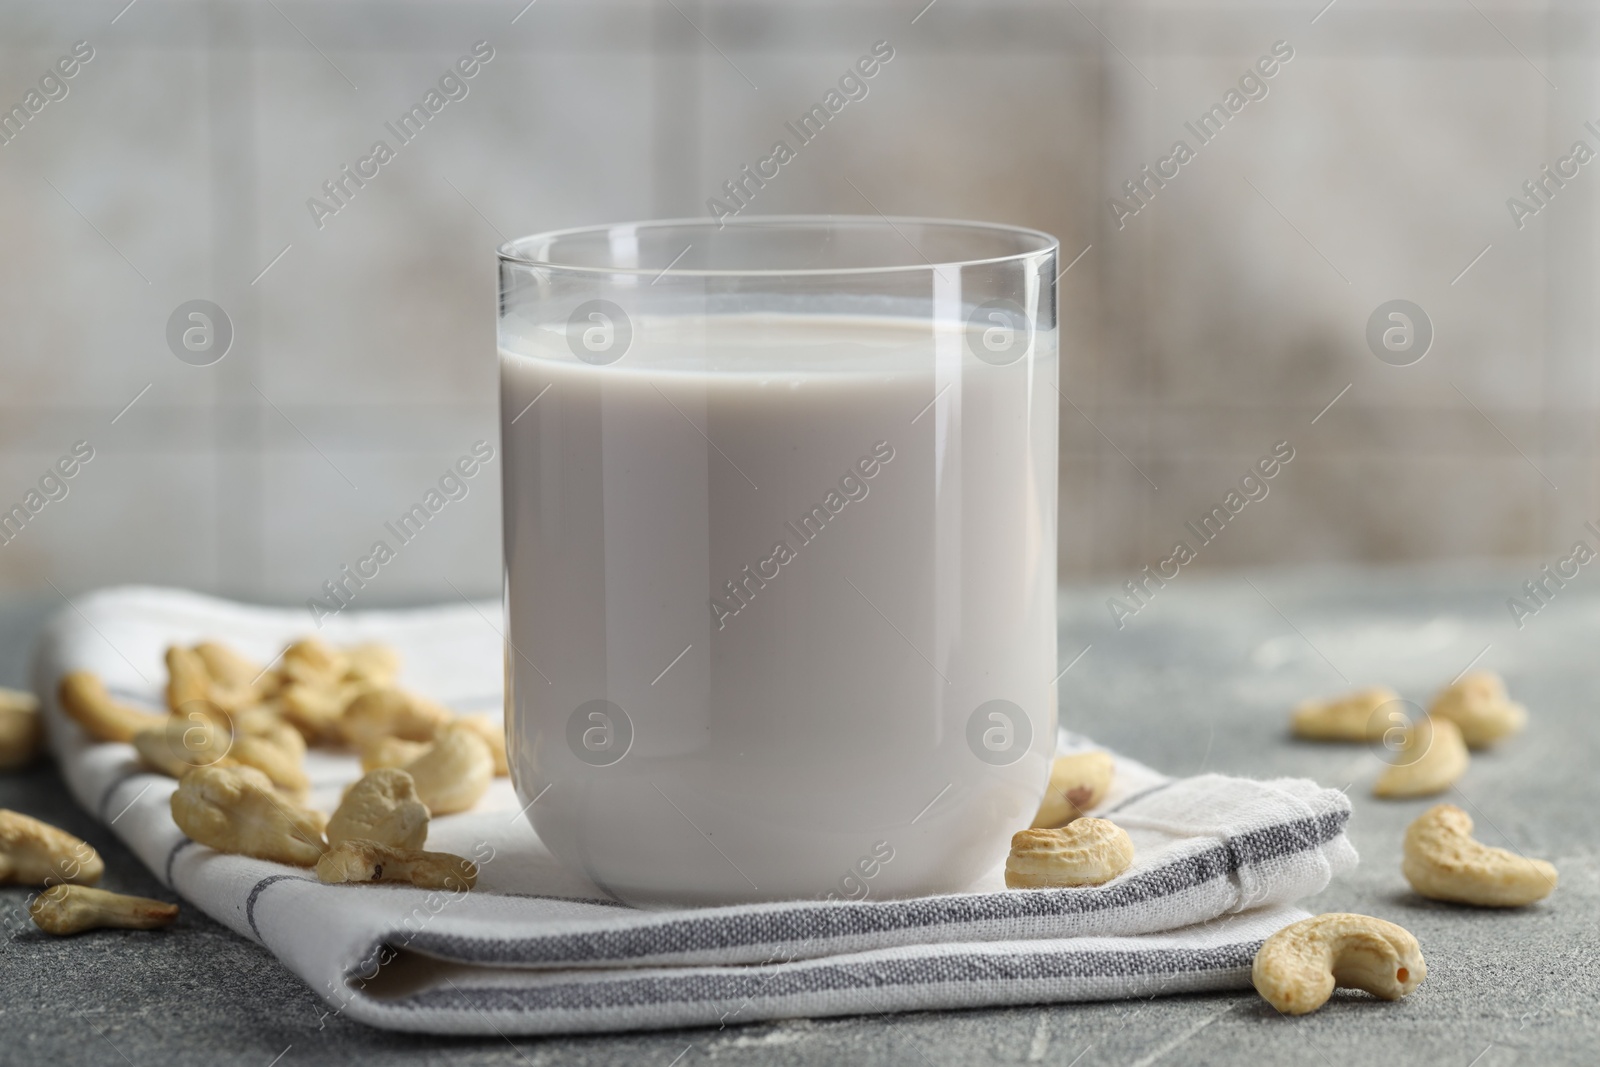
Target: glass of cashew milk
<point>780,551</point>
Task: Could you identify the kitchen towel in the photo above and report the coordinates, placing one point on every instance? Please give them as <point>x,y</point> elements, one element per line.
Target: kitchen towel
<point>536,949</point>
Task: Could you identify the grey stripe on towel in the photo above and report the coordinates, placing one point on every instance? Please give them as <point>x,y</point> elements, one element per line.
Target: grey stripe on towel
<point>721,985</point>
<point>816,923</point>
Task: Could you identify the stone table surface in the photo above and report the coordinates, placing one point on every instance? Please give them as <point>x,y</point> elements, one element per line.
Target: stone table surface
<point>1201,678</point>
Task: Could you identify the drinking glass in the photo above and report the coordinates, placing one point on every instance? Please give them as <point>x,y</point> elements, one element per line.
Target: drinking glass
<point>780,551</point>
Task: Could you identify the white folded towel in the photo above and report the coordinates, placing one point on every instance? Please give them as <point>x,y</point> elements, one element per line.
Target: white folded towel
<point>536,949</point>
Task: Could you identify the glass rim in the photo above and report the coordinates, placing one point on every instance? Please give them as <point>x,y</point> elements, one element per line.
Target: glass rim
<point>514,251</point>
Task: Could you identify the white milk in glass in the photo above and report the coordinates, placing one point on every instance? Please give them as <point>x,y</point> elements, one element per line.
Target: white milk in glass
<point>764,569</point>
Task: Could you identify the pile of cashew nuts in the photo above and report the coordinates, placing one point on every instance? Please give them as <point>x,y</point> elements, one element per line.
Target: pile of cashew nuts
<point>234,735</point>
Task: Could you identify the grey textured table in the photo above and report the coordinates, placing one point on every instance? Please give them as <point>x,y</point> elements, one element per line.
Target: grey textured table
<point>1201,678</point>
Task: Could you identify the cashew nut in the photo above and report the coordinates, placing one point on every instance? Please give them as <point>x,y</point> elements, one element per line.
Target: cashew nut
<point>263,720</point>
<point>1297,968</point>
<point>314,710</point>
<point>1429,760</point>
<point>1442,861</point>
<point>381,807</point>
<point>390,752</point>
<point>368,861</point>
<point>188,680</point>
<point>372,664</point>
<point>1351,717</point>
<point>181,744</point>
<point>492,731</point>
<point>21,730</point>
<point>314,662</point>
<point>391,713</point>
<point>72,909</point>
<point>234,809</point>
<point>272,747</point>
<point>272,681</point>
<point>1083,852</point>
<point>36,853</point>
<point>228,668</point>
<point>454,772</point>
<point>1478,704</point>
<point>84,697</point>
<point>1077,783</point>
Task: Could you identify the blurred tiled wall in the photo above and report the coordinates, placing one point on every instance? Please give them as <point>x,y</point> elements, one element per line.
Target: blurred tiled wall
<point>1221,318</point>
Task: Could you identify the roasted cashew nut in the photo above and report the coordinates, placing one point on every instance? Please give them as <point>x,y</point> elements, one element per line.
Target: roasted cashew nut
<point>1430,758</point>
<point>84,697</point>
<point>314,662</point>
<point>36,853</point>
<point>314,710</point>
<point>1351,717</point>
<point>72,909</point>
<point>1083,852</point>
<point>454,772</point>
<point>493,732</point>
<point>188,680</point>
<point>228,668</point>
<point>274,748</point>
<point>372,665</point>
<point>381,713</point>
<point>381,807</point>
<point>182,743</point>
<point>1078,783</point>
<point>191,680</point>
<point>1297,968</point>
<point>21,729</point>
<point>1478,704</point>
<point>391,752</point>
<point>368,861</point>
<point>236,809</point>
<point>1444,862</point>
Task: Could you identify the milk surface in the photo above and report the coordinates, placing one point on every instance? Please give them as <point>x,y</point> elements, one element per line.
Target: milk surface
<point>762,571</point>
